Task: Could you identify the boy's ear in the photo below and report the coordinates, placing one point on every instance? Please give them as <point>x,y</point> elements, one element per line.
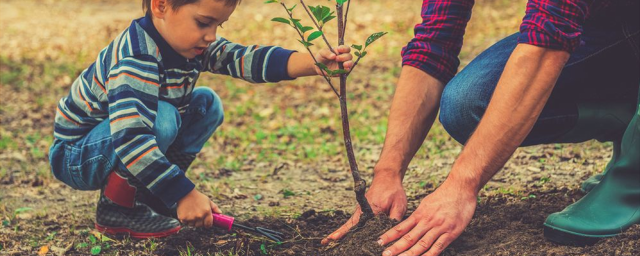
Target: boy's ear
<point>159,8</point>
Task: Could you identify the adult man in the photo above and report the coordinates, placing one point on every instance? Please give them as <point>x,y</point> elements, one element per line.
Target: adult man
<point>570,75</point>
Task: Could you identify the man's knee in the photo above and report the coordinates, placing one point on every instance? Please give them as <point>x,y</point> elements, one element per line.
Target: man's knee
<point>211,105</point>
<point>167,124</point>
<point>462,105</point>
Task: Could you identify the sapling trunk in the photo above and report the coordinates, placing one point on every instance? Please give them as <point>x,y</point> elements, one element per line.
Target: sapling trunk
<point>320,15</point>
<point>359,185</point>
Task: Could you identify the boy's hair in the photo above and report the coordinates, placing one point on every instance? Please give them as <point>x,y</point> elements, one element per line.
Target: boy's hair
<point>175,4</point>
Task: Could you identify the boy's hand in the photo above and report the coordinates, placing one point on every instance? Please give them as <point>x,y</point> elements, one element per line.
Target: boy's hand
<point>325,56</point>
<point>195,210</point>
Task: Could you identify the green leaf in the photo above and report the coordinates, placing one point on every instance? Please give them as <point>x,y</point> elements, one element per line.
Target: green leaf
<point>322,66</point>
<point>341,1</point>
<point>373,37</point>
<point>314,35</point>
<point>305,29</point>
<point>328,18</point>
<point>22,209</point>
<point>96,250</point>
<point>357,47</point>
<point>305,43</point>
<point>325,12</point>
<point>93,239</point>
<point>263,249</point>
<point>288,193</point>
<point>339,71</point>
<point>292,7</point>
<point>281,20</point>
<point>257,197</point>
<point>270,1</point>
<point>82,245</point>
<point>297,23</point>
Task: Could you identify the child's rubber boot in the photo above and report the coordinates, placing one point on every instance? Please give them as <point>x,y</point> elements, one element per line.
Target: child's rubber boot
<point>119,211</point>
<point>603,122</point>
<point>611,207</point>
<point>181,160</point>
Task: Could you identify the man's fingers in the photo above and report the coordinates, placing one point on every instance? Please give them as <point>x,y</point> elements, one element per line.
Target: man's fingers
<point>407,240</point>
<point>396,232</point>
<point>397,211</point>
<point>340,232</point>
<point>440,244</point>
<point>425,243</point>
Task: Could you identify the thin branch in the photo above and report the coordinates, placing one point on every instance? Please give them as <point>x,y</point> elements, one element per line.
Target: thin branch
<point>318,27</point>
<point>354,66</point>
<point>311,53</point>
<point>346,15</point>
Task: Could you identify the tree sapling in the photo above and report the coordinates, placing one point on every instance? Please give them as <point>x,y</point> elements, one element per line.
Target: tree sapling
<point>320,15</point>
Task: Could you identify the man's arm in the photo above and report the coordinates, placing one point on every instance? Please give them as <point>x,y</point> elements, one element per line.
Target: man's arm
<point>413,110</point>
<point>521,93</point>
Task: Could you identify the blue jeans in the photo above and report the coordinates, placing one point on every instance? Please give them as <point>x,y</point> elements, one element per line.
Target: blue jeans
<point>86,163</point>
<point>604,68</point>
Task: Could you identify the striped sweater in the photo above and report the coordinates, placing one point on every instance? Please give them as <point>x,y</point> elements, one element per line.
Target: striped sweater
<point>136,70</point>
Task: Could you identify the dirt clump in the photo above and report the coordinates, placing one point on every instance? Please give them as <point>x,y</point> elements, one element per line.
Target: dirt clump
<point>363,241</point>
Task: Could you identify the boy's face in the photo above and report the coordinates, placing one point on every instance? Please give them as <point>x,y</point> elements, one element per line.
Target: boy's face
<point>190,28</point>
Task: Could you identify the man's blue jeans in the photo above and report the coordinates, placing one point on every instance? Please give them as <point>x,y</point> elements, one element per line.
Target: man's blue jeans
<point>86,163</point>
<point>604,68</point>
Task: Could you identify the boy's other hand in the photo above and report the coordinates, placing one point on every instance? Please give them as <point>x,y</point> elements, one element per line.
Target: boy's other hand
<point>195,210</point>
<point>325,56</point>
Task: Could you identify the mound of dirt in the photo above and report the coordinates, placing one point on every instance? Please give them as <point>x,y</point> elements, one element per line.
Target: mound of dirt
<point>362,241</point>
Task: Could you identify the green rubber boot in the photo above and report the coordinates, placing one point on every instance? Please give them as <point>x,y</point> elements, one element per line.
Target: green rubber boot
<point>611,207</point>
<point>605,121</point>
<point>594,180</point>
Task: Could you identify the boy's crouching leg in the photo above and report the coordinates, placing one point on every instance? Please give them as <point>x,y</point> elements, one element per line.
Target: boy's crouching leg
<point>120,210</point>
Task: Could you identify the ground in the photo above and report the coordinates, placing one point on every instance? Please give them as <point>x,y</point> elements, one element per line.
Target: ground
<point>278,160</point>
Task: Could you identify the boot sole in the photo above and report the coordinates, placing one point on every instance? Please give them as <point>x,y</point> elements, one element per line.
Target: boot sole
<point>125,231</point>
<point>565,237</point>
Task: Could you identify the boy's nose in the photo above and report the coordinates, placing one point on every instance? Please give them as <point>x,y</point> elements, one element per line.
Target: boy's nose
<point>210,37</point>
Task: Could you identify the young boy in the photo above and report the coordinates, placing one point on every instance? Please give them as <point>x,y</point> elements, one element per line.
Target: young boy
<point>133,122</point>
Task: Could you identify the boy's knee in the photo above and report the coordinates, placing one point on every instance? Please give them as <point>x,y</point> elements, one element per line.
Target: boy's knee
<point>167,124</point>
<point>212,105</point>
<point>462,107</point>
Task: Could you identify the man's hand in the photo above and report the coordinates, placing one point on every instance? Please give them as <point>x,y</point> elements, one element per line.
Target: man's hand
<point>325,56</point>
<point>385,195</point>
<point>439,219</point>
<point>195,210</point>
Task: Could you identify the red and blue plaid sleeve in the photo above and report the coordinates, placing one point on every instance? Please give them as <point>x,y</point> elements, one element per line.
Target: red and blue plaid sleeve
<point>438,39</point>
<point>554,24</point>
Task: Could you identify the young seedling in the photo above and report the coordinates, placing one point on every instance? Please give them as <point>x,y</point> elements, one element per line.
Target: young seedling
<point>320,15</point>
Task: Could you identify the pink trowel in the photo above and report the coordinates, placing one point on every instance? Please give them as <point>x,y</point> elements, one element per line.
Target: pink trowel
<point>227,222</point>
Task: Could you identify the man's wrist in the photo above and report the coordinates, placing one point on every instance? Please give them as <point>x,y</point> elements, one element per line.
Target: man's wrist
<point>464,181</point>
<point>393,173</point>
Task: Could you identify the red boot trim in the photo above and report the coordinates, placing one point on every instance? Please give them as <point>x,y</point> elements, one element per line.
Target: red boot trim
<point>123,231</point>
<point>119,190</point>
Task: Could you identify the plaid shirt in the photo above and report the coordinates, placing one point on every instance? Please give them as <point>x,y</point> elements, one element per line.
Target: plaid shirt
<point>554,24</point>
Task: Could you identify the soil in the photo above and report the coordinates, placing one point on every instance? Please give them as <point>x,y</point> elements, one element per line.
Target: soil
<point>502,225</point>
<point>362,241</point>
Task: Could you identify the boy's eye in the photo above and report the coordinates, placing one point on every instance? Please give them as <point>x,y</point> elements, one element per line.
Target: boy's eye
<point>202,24</point>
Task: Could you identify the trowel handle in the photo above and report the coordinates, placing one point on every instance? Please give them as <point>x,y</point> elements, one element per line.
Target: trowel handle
<point>222,221</point>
